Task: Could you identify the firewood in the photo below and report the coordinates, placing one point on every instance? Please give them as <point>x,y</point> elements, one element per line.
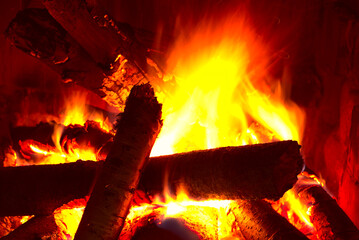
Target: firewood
<point>248,172</point>
<point>329,220</point>
<point>256,219</point>
<point>40,189</point>
<point>252,171</point>
<point>110,200</point>
<point>35,32</point>
<point>38,227</point>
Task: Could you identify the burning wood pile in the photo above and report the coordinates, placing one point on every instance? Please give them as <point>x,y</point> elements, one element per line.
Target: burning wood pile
<point>241,192</point>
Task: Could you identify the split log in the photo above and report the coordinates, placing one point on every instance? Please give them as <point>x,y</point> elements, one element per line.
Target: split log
<point>329,220</point>
<point>248,172</point>
<point>256,219</point>
<point>110,200</point>
<point>38,227</point>
<point>35,32</point>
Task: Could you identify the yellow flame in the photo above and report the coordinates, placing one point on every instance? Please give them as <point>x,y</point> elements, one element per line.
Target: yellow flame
<point>216,94</point>
<point>295,205</point>
<point>220,95</point>
<point>68,218</point>
<point>55,156</point>
<point>78,112</point>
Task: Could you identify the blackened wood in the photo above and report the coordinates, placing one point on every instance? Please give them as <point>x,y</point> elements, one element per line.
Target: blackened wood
<point>35,32</point>
<point>110,200</point>
<point>329,220</point>
<point>248,172</point>
<point>256,219</point>
<point>38,227</point>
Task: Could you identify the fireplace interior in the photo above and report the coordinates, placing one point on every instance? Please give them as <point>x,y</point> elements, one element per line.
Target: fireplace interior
<point>282,73</point>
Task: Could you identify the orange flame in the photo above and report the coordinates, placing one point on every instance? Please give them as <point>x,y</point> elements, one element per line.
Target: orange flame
<point>216,97</point>
<point>216,94</point>
<point>77,112</point>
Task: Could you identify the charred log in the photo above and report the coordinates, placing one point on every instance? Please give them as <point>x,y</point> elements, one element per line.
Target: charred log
<point>249,172</point>
<point>256,219</point>
<point>35,32</point>
<point>110,200</point>
<point>329,220</point>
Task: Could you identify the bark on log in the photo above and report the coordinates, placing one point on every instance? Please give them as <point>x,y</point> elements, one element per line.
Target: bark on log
<point>254,172</point>
<point>38,227</point>
<point>329,220</point>
<point>40,189</point>
<point>110,200</point>
<point>35,32</point>
<point>256,219</point>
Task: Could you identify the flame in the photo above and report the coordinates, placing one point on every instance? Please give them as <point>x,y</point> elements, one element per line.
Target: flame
<point>46,154</point>
<point>215,93</point>
<point>217,97</point>
<point>68,217</point>
<point>219,94</point>
<point>294,209</point>
<point>77,112</point>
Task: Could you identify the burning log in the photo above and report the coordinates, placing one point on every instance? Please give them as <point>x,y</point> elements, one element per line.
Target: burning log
<point>35,32</point>
<point>110,200</point>
<point>328,218</point>
<point>252,171</point>
<point>249,172</point>
<point>256,219</point>
<point>38,227</point>
<point>40,189</point>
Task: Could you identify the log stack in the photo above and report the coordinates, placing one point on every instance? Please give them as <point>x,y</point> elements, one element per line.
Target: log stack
<point>88,49</point>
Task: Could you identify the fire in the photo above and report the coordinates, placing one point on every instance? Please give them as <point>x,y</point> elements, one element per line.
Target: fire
<point>218,98</point>
<point>47,154</point>
<point>77,112</point>
<point>216,95</point>
<point>219,94</point>
<point>294,209</point>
